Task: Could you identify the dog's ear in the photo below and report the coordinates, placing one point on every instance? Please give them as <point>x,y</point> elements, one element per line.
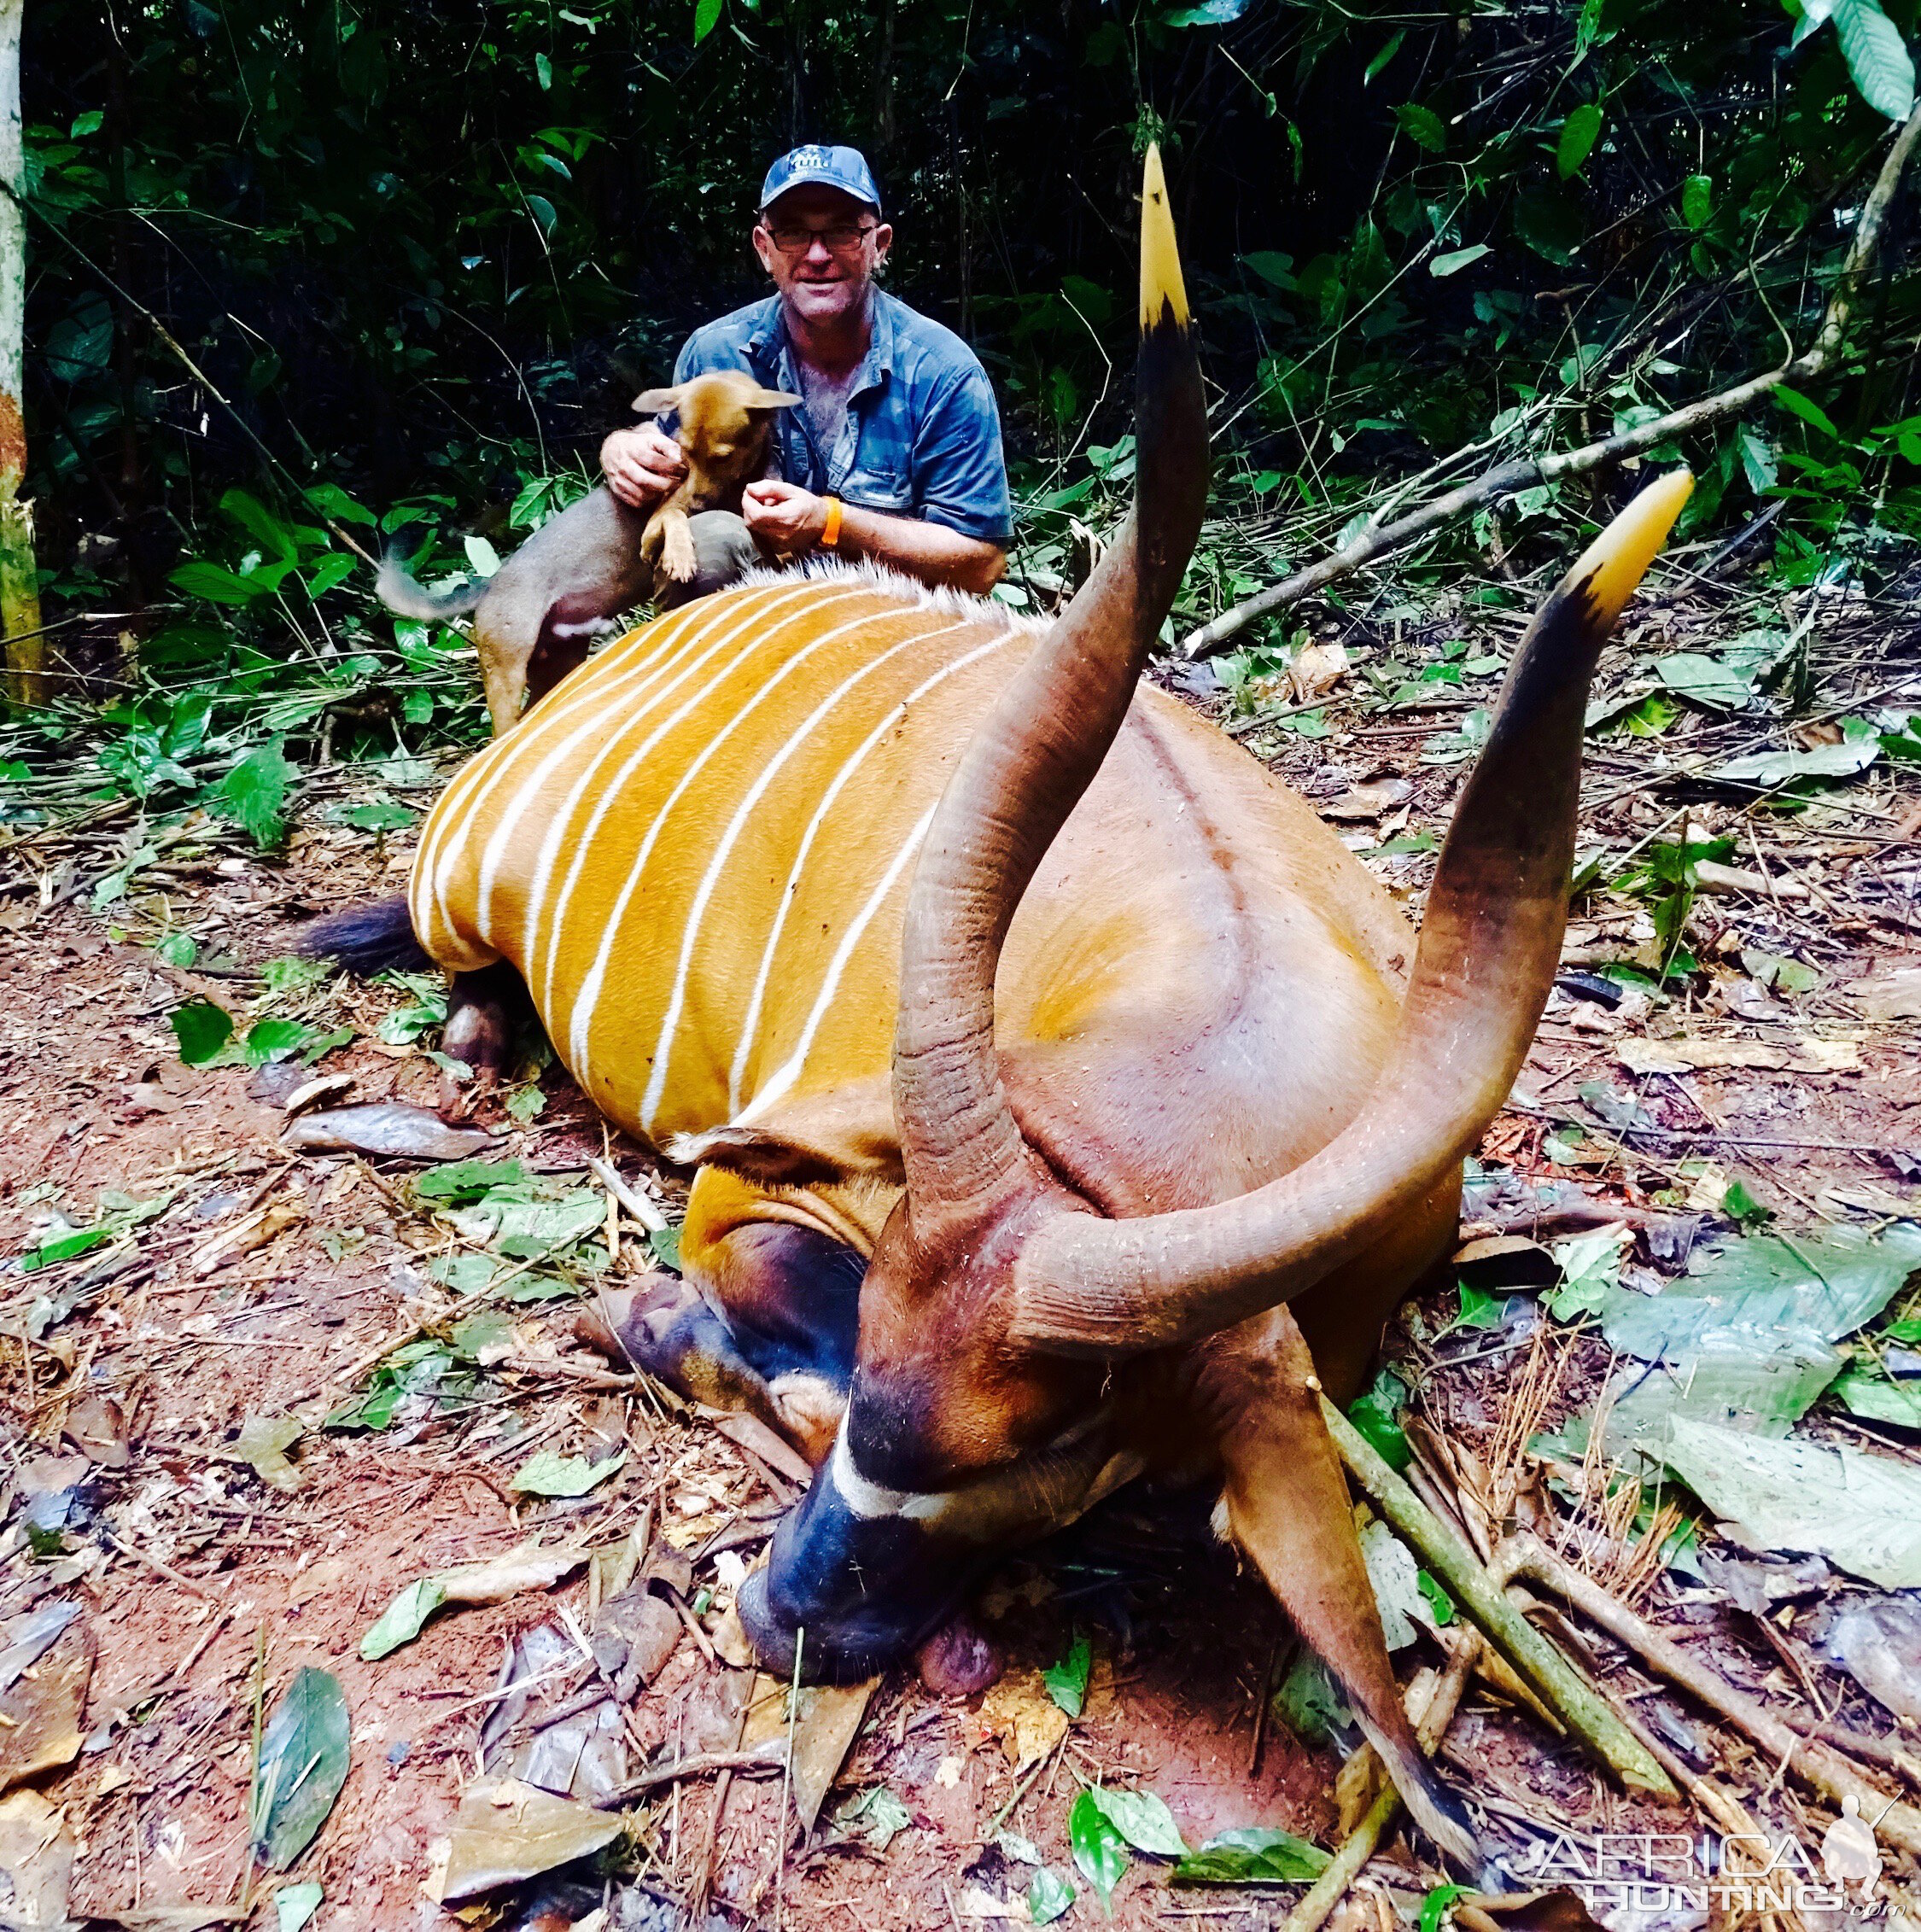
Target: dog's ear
<point>656,402</point>
<point>771,399</point>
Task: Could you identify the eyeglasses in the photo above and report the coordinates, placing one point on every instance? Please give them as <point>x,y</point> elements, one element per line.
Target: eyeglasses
<point>842,238</point>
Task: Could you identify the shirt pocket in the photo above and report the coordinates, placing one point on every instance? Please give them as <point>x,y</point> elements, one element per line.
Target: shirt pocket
<point>879,485</point>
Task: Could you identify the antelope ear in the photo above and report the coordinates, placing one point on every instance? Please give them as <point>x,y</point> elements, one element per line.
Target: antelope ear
<point>772,398</point>
<point>805,1142</point>
<point>656,402</point>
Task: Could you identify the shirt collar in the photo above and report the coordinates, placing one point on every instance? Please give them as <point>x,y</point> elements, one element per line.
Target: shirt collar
<point>769,347</point>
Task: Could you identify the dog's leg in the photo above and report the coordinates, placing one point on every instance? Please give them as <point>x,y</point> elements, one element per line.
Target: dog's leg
<point>677,557</point>
<point>507,630</point>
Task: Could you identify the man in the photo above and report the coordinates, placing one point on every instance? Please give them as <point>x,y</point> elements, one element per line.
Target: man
<point>895,455</point>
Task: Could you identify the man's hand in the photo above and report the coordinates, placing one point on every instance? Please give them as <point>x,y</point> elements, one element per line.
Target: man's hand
<point>642,465</point>
<point>789,520</point>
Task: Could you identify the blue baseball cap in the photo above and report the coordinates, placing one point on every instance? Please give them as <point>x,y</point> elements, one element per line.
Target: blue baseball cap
<point>844,168</point>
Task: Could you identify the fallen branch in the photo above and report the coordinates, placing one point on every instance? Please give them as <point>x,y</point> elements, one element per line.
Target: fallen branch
<point>1440,1692</point>
<point>1523,473</point>
<point>1559,1685</point>
<point>770,1756</point>
<point>1817,1764</point>
<point>631,1198</point>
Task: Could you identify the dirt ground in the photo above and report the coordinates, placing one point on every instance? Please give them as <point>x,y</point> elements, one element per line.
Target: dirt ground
<point>204,1588</point>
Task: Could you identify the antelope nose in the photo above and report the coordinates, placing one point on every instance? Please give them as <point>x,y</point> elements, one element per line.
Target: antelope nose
<point>848,1593</point>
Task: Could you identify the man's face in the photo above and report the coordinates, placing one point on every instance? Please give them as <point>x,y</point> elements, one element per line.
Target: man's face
<point>821,247</point>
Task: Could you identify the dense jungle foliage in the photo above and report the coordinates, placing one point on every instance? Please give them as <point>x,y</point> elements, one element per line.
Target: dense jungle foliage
<point>301,267</point>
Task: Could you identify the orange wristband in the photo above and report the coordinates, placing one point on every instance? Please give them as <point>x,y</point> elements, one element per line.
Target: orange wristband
<point>831,535</point>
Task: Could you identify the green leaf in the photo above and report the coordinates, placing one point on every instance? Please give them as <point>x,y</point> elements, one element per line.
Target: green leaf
<point>666,1244</point>
<point>1698,202</point>
<point>526,1104</point>
<point>294,1905</point>
<point>335,567</point>
<point>1273,267</point>
<point>1441,266</point>
<point>1861,1512</point>
<point>1100,1850</point>
<point>199,578</point>
<point>1741,1207</point>
<point>260,522</point>
<point>1439,1602</point>
<point>202,1029</point>
<point>381,815</point>
<point>454,1182</point>
<point>1864,1390</point>
<point>1066,1681</point>
<point>1140,1819</point>
<point>543,72</point>
<point>1770,768</point>
<point>706,18</point>
<point>1309,1702</point>
<point>303,1762</point>
<point>1386,55</point>
<point>254,793</point>
<point>64,1247</point>
<point>1435,1906</point>
<point>275,1040</point>
<point>83,124</point>
<point>1049,1893</point>
<point>1376,1415</point>
<point>1589,1266</point>
<point>402,1620</point>
<point>1578,133</point>
<point>1479,1309</point>
<point>548,1472</point>
<point>331,500</point>
<point>1422,124</point>
<point>1252,1854</point>
<point>1878,58</point>
<point>1807,409</point>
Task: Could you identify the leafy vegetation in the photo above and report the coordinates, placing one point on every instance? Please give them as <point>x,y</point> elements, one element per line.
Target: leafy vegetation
<point>306,284</point>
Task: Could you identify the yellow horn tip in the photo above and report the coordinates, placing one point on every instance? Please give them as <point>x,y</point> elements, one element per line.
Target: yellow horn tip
<point>1163,291</point>
<point>1614,564</point>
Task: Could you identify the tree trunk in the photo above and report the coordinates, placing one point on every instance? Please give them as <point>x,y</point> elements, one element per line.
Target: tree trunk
<point>20,588</point>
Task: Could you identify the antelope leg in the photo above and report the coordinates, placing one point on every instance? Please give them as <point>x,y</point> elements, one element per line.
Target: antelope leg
<point>1287,1509</point>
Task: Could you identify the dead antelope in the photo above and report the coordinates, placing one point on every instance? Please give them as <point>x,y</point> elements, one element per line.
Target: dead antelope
<point>1067,1102</point>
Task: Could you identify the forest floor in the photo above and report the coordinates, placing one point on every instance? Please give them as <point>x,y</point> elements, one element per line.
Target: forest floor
<point>1781,1076</point>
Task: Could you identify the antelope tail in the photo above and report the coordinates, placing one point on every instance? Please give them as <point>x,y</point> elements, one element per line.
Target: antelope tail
<point>1489,947</point>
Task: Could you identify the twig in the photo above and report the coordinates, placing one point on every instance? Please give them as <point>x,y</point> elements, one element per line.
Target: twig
<point>632,1199</point>
<point>1526,472</point>
<point>1817,1764</point>
<point>703,1879</point>
<point>1539,1664</point>
<point>769,1756</point>
<point>160,1568</point>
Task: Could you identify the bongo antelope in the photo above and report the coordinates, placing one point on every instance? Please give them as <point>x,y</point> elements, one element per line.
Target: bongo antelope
<point>1067,1103</point>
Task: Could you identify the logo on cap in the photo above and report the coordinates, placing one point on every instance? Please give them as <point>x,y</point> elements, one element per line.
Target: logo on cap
<point>808,157</point>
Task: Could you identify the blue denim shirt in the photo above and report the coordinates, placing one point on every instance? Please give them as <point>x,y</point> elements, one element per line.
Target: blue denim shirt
<point>922,436</point>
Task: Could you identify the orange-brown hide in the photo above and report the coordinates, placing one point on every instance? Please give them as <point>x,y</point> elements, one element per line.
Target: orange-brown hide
<point>697,851</point>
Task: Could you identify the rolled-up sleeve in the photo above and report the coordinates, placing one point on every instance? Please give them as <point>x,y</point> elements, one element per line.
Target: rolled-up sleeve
<point>960,474</point>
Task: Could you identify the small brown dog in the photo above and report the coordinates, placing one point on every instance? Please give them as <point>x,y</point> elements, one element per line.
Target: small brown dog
<point>536,617</point>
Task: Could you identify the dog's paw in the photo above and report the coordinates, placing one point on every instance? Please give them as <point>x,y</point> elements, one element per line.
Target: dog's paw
<point>677,558</point>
